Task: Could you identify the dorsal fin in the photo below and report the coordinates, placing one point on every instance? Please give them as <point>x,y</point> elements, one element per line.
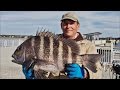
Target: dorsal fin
<point>45,33</point>
<point>37,32</point>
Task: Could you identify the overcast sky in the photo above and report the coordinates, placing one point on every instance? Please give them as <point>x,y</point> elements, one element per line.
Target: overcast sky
<point>27,22</point>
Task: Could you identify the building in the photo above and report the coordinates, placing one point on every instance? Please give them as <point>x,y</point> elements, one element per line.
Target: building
<point>11,40</point>
<point>92,36</point>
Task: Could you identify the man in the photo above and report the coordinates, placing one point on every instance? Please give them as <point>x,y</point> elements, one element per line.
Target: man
<point>70,25</point>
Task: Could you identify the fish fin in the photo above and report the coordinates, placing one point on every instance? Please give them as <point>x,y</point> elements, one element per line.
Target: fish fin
<point>90,60</point>
<point>45,33</point>
<point>37,32</point>
<point>91,66</point>
<point>29,64</point>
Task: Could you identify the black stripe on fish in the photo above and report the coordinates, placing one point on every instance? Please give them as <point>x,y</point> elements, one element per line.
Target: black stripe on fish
<point>74,57</point>
<point>55,50</point>
<point>65,53</point>
<point>46,48</point>
<point>37,45</point>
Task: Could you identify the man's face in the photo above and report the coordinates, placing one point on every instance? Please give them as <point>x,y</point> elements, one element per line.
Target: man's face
<point>69,27</point>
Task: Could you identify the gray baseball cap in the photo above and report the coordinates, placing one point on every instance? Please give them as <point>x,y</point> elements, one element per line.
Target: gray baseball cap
<point>71,16</point>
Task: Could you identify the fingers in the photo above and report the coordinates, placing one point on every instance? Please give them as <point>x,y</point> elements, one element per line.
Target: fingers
<point>74,65</point>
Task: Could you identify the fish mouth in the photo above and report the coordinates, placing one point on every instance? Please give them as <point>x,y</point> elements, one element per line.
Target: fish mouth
<point>13,56</point>
<point>18,62</point>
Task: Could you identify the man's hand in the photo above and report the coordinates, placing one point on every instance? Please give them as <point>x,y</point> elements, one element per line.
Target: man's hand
<point>74,71</point>
<point>29,73</point>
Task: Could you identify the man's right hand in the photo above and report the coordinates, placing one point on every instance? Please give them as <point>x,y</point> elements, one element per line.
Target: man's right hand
<point>29,73</point>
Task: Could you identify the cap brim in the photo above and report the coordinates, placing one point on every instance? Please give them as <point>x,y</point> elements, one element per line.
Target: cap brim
<point>68,18</point>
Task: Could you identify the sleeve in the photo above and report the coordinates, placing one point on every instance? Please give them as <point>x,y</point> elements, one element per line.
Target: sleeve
<point>91,49</point>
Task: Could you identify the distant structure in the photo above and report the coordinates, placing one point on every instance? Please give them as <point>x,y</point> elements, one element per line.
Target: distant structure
<point>92,36</point>
<point>109,47</point>
<point>12,40</point>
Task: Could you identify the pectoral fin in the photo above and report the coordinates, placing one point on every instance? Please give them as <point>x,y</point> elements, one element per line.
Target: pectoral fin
<point>89,61</point>
<point>29,64</point>
<point>91,66</point>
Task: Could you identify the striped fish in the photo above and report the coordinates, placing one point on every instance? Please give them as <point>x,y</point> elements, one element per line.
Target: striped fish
<point>51,53</point>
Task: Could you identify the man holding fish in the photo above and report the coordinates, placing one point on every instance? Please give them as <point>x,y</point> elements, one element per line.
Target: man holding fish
<point>70,25</point>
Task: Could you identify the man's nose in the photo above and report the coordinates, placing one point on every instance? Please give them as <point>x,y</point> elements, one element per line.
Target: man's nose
<point>68,25</point>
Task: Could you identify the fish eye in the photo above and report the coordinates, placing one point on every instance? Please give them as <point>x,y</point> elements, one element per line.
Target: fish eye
<point>19,48</point>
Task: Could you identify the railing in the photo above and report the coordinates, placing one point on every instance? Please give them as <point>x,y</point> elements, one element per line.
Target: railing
<point>106,52</point>
<point>110,54</point>
<point>10,42</point>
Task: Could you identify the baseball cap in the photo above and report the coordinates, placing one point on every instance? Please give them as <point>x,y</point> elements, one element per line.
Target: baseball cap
<point>71,16</point>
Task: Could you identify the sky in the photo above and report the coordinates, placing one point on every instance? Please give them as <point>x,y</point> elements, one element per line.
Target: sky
<point>28,22</point>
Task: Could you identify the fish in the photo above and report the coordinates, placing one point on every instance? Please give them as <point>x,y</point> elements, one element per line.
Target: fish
<point>50,53</point>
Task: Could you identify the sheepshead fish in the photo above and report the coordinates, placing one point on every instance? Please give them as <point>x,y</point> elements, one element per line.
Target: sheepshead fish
<point>51,53</point>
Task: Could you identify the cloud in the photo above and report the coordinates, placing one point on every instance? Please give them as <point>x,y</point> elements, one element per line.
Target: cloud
<point>27,22</point>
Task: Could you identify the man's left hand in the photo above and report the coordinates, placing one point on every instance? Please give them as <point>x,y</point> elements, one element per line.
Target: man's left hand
<point>74,71</point>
